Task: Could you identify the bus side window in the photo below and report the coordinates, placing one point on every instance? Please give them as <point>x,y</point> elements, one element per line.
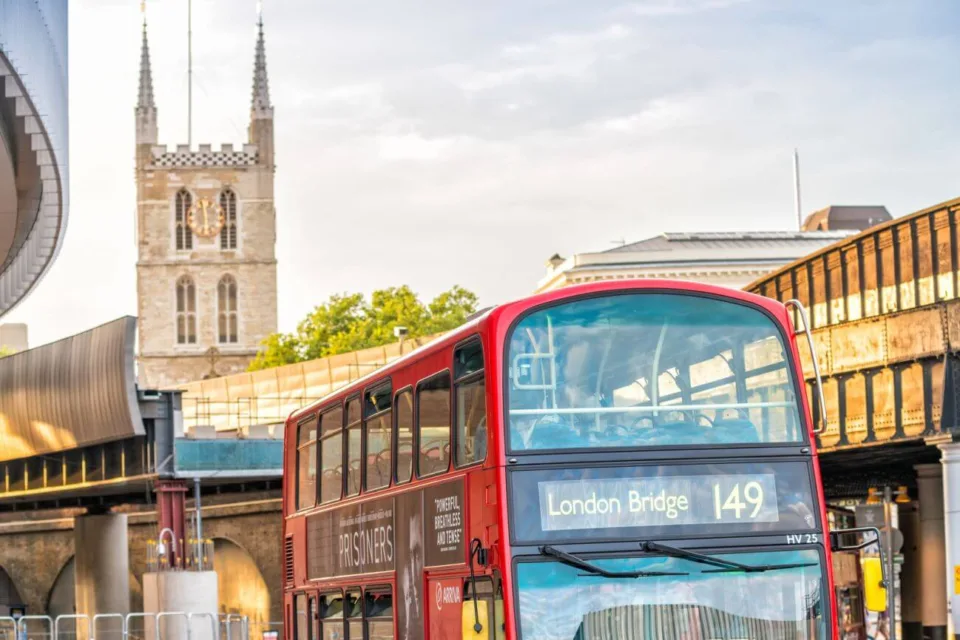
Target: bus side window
<point>331,616</point>
<point>301,621</point>
<point>471,403</point>
<point>307,463</point>
<point>377,440</point>
<point>354,455</point>
<point>433,425</point>
<point>312,618</point>
<point>378,613</point>
<point>354,611</point>
<point>404,435</point>
<point>331,455</point>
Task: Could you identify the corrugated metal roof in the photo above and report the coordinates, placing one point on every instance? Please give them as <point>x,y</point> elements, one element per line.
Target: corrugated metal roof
<point>799,240</point>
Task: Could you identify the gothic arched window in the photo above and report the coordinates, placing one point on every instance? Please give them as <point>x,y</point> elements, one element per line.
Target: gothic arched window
<point>182,231</point>
<point>186,311</point>
<point>227,310</point>
<point>228,233</point>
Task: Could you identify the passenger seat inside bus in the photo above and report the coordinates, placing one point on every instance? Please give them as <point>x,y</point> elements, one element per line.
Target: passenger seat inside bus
<point>735,430</point>
<point>555,435</point>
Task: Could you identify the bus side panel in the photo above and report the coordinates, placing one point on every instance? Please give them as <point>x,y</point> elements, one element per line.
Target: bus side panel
<point>444,599</point>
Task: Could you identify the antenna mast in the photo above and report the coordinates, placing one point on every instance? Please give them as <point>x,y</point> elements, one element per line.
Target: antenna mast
<point>190,73</point>
<point>796,188</point>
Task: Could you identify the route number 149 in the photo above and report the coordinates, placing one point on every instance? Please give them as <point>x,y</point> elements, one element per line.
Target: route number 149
<point>749,499</point>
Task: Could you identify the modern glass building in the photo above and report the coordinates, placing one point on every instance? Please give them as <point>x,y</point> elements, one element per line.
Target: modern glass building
<point>34,175</point>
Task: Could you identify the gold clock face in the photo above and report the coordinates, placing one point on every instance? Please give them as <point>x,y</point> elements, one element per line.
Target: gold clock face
<point>205,218</point>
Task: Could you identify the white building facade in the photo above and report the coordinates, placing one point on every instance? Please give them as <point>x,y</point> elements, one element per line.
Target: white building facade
<point>731,259</point>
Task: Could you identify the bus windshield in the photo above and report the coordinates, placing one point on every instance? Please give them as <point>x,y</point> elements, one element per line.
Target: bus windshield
<point>562,602</point>
<point>646,370</point>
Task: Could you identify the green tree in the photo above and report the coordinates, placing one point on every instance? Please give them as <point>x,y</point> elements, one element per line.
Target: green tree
<point>6,351</point>
<point>349,322</point>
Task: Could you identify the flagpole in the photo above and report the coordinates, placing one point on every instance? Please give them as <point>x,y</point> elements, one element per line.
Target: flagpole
<point>190,73</point>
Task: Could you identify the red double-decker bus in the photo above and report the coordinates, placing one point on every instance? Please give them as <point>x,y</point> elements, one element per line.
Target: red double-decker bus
<point>616,461</point>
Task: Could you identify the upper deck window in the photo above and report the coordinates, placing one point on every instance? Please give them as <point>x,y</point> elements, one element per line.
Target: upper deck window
<point>649,369</point>
<point>378,430</point>
<point>354,440</point>
<point>331,455</point>
<point>433,424</point>
<point>307,463</point>
<point>471,409</point>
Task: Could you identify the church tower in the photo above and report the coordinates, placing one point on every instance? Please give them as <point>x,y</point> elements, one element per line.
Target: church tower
<point>206,235</point>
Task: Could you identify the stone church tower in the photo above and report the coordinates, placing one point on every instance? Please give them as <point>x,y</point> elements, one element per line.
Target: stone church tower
<point>206,235</point>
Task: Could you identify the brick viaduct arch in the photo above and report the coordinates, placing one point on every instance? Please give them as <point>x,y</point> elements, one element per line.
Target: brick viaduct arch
<point>33,554</point>
<point>33,560</point>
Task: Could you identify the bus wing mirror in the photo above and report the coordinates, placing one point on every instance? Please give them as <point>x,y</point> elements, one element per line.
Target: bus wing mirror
<point>874,569</point>
<point>469,620</point>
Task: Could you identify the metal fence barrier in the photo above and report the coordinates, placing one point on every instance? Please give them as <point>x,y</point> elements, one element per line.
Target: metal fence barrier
<point>26,629</point>
<point>166,625</point>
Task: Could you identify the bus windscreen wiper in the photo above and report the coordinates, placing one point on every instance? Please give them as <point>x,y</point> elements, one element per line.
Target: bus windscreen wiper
<point>723,564</point>
<point>579,563</point>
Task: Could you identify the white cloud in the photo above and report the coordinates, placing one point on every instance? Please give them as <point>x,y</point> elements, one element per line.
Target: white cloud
<point>480,138</point>
<point>654,8</point>
<point>412,146</point>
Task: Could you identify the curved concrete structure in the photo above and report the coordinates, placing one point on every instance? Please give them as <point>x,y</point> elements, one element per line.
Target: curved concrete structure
<point>46,408</point>
<point>33,142</point>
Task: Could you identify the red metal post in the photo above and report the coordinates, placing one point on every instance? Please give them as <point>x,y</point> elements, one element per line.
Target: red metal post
<point>171,517</point>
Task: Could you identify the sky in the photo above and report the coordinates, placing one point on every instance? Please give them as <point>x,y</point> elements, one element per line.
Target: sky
<point>444,142</point>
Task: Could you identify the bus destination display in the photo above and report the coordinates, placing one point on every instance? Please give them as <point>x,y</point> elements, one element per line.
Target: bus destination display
<point>677,500</point>
<point>611,502</point>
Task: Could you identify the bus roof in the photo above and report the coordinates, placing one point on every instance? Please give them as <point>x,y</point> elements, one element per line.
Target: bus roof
<point>516,307</point>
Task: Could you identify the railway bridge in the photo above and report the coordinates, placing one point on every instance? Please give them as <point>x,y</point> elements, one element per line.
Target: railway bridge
<point>94,470</point>
<point>884,308</point>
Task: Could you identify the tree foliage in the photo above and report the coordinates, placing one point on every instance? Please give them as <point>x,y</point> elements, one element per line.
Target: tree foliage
<point>6,351</point>
<point>349,322</point>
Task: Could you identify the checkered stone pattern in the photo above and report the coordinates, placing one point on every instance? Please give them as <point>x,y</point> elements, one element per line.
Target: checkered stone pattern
<point>205,159</point>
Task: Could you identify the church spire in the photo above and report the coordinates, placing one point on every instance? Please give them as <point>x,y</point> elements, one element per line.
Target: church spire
<point>260,102</point>
<point>146,110</point>
<point>145,98</point>
<point>260,131</point>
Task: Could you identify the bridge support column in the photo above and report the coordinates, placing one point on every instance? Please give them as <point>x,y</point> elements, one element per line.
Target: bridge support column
<point>101,564</point>
<point>911,574</point>
<point>194,592</point>
<point>171,517</point>
<point>930,482</point>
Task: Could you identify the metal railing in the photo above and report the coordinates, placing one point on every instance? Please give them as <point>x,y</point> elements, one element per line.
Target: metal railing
<point>181,555</point>
<point>243,412</point>
<point>165,625</point>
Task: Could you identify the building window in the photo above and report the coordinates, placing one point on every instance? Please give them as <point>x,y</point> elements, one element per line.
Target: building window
<point>183,233</point>
<point>186,311</point>
<point>228,233</point>
<point>227,310</point>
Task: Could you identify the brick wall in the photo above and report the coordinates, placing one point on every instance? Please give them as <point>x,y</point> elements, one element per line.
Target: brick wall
<point>34,551</point>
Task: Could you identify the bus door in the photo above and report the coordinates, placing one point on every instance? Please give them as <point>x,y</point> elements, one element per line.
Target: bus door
<point>451,614</point>
<point>466,609</point>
